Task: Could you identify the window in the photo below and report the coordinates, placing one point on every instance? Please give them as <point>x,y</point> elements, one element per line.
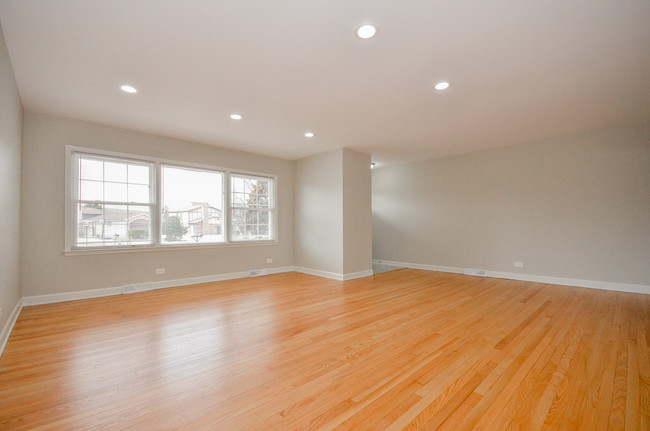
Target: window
<point>123,201</point>
<point>192,206</point>
<point>113,201</point>
<point>252,208</point>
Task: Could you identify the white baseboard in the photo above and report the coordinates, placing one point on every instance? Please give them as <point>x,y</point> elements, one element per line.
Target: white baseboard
<point>319,273</point>
<point>592,284</point>
<point>333,275</point>
<point>9,325</point>
<point>119,290</point>
<point>70,296</point>
<point>360,274</point>
<point>153,285</point>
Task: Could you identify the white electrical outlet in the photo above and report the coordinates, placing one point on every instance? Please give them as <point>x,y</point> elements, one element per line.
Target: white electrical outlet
<point>269,260</point>
<point>519,264</point>
<point>160,270</point>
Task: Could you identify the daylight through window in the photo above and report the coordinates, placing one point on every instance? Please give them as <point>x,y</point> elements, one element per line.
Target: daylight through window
<point>252,208</point>
<point>192,206</point>
<point>113,202</point>
<point>118,202</point>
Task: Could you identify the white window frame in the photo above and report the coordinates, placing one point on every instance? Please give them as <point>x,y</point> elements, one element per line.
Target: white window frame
<point>224,176</point>
<point>272,210</point>
<point>156,244</point>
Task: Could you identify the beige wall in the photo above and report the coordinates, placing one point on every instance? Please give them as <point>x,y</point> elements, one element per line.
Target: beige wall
<point>11,126</point>
<point>46,270</point>
<point>318,209</point>
<point>333,212</point>
<point>575,207</point>
<point>357,212</point>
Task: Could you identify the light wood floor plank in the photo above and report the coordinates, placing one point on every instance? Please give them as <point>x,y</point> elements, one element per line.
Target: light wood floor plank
<point>402,350</point>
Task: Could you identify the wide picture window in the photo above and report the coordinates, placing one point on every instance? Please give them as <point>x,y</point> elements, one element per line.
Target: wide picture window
<point>122,202</point>
<point>192,206</point>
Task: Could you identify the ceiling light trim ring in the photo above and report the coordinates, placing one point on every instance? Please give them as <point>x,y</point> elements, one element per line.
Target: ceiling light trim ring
<point>367,30</point>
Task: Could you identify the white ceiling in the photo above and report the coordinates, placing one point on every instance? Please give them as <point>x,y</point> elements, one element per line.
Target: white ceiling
<point>520,70</point>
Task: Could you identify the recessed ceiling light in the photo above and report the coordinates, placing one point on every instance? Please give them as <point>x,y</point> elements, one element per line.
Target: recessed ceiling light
<point>309,134</point>
<point>236,116</point>
<point>128,89</point>
<point>366,31</point>
<point>442,86</point>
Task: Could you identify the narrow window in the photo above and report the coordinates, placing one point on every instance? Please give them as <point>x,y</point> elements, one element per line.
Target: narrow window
<point>252,209</point>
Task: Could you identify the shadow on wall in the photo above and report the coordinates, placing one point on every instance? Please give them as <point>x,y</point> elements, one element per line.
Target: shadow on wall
<point>378,268</point>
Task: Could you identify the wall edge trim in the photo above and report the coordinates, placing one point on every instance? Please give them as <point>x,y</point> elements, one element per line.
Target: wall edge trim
<point>563,281</point>
<point>9,325</point>
<point>163,284</point>
<point>333,275</point>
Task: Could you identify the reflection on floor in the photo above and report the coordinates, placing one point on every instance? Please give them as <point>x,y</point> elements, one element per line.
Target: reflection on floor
<point>406,349</point>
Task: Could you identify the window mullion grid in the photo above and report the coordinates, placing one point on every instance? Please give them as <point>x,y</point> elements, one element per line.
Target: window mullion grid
<point>155,202</point>
<point>156,177</point>
<point>227,203</point>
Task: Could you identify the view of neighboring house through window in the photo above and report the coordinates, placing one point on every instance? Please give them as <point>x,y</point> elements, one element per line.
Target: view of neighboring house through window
<point>192,206</point>
<point>113,201</point>
<point>120,200</point>
<point>252,208</point>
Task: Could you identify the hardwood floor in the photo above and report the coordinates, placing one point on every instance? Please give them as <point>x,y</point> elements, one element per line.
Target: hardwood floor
<point>407,349</point>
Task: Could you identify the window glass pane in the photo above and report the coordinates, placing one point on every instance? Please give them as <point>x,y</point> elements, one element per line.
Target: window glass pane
<point>252,200</point>
<point>102,225</point>
<point>239,199</point>
<point>91,169</point>
<point>100,181</point>
<point>139,224</point>
<point>115,172</point>
<point>264,225</point>
<point>191,209</point>
<point>251,231</point>
<point>115,192</point>
<point>251,192</point>
<point>238,225</point>
<point>114,225</point>
<point>192,206</point>
<point>89,217</point>
<point>250,225</point>
<point>91,190</point>
<point>138,174</point>
<point>237,184</point>
<point>138,193</point>
<point>263,201</point>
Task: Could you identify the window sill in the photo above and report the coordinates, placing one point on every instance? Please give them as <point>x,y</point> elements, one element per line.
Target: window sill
<point>92,251</point>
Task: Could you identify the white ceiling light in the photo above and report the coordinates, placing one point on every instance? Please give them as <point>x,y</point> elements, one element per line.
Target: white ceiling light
<point>372,165</point>
<point>366,31</point>
<point>236,116</point>
<point>309,134</point>
<point>442,86</point>
<point>128,89</point>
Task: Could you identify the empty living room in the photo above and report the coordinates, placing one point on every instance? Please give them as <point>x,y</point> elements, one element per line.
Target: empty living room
<point>325,215</point>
